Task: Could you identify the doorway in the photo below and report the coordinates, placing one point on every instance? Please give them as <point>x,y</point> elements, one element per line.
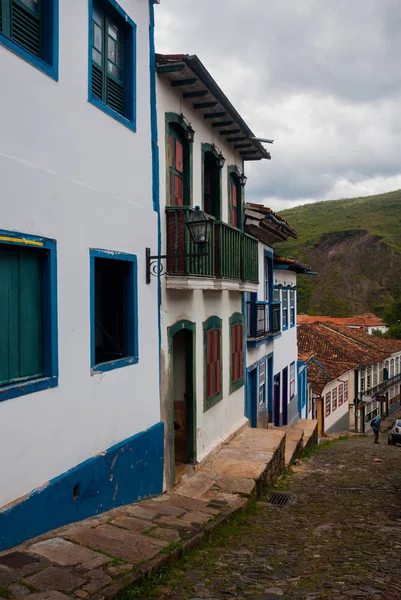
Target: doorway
<point>183,401</point>
<point>251,410</point>
<point>276,396</point>
<point>285,396</point>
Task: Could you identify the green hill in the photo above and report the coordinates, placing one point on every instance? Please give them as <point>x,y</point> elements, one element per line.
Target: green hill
<point>355,246</point>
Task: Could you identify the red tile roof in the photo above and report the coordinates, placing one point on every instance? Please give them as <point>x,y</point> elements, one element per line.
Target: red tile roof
<point>268,211</point>
<point>319,378</point>
<point>365,320</point>
<point>339,349</point>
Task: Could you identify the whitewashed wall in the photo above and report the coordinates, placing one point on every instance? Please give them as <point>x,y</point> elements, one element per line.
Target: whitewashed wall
<point>224,418</point>
<point>338,420</point>
<point>70,172</point>
<point>285,346</point>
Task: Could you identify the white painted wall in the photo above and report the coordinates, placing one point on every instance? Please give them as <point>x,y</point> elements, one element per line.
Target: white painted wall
<point>285,346</point>
<point>70,172</point>
<point>341,414</point>
<point>218,422</point>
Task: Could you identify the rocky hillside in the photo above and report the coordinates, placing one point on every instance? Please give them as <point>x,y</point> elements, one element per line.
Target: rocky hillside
<point>355,246</point>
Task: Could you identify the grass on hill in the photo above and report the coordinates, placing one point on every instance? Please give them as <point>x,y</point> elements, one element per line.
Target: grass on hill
<point>379,215</point>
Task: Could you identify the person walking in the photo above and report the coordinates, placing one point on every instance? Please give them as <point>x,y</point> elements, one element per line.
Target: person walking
<point>375,423</point>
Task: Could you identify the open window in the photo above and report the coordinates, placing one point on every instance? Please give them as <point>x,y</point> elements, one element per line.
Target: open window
<point>211,185</point>
<point>114,310</point>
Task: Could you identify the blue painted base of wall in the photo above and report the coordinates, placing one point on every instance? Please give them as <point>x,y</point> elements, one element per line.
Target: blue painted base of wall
<point>128,472</point>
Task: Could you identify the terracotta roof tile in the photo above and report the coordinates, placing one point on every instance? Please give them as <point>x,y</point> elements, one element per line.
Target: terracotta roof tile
<point>366,320</point>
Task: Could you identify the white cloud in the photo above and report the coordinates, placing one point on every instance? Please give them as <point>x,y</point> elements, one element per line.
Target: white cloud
<point>321,78</point>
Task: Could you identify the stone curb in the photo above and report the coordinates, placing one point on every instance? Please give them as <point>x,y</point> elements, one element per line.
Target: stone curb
<point>136,577</point>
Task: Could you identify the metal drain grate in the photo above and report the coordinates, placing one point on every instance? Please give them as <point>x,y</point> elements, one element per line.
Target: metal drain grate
<point>280,499</point>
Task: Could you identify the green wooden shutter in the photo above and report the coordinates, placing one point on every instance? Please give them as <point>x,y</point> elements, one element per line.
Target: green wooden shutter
<point>1,16</point>
<point>21,320</point>
<point>26,27</point>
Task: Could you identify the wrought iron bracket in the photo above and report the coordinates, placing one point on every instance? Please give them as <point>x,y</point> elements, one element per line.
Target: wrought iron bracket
<point>154,266</point>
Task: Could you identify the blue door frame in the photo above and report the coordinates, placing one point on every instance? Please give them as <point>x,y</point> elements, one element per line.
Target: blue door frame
<point>251,404</point>
<point>285,396</point>
<point>276,394</point>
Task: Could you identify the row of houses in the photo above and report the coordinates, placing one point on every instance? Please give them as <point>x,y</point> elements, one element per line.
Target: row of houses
<point>144,314</point>
<point>353,376</point>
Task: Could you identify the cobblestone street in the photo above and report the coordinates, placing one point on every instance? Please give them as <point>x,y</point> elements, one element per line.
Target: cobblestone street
<point>339,539</point>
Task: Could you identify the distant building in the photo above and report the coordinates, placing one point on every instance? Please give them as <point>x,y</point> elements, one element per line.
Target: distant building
<point>368,368</point>
<point>367,322</point>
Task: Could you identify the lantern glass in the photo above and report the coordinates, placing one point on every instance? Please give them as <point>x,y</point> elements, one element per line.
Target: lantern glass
<point>189,134</point>
<point>243,179</point>
<point>198,225</point>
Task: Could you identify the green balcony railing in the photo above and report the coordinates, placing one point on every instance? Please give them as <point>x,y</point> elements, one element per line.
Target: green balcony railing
<point>230,253</point>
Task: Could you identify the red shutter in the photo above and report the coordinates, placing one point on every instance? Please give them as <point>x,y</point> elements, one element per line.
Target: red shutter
<point>170,150</point>
<point>178,191</point>
<point>209,362</point>
<point>218,382</point>
<point>179,156</point>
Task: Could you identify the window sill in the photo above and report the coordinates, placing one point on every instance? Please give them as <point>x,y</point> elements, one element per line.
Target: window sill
<point>210,402</point>
<point>27,387</point>
<point>112,113</point>
<point>33,60</point>
<point>236,385</point>
<point>114,364</point>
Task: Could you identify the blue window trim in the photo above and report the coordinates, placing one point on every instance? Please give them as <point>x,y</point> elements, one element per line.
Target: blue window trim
<point>292,289</point>
<point>130,69</point>
<point>50,320</point>
<point>285,289</point>
<point>51,68</point>
<point>132,316</point>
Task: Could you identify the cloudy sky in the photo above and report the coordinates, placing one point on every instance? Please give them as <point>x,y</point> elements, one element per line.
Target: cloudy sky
<point>320,77</point>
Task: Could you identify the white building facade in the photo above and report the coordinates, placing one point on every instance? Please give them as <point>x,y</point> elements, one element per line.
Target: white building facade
<point>272,351</point>
<point>203,145</point>
<point>80,427</point>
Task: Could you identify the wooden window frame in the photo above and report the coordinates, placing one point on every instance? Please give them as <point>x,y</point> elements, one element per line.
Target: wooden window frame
<point>233,174</point>
<point>212,324</point>
<point>345,392</point>
<point>284,303</point>
<point>292,307</point>
<point>48,18</point>
<point>113,11</point>
<point>50,319</point>
<point>131,322</point>
<point>236,320</point>
<point>334,399</point>
<point>341,394</point>
<point>327,404</point>
<point>292,375</point>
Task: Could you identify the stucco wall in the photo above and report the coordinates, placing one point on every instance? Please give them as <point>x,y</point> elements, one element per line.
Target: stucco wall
<point>72,173</point>
<point>285,346</point>
<point>215,424</point>
<point>339,419</point>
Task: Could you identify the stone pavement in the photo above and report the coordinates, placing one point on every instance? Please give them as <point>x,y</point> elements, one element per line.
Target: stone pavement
<point>339,538</point>
<point>96,557</point>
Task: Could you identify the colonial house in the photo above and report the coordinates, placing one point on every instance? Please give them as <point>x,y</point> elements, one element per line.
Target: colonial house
<point>271,360</point>
<point>367,367</point>
<point>367,322</point>
<point>80,427</point>
<point>204,143</point>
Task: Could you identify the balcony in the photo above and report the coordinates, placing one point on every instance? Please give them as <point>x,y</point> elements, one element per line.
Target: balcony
<point>230,262</point>
<point>263,321</point>
<point>380,388</point>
